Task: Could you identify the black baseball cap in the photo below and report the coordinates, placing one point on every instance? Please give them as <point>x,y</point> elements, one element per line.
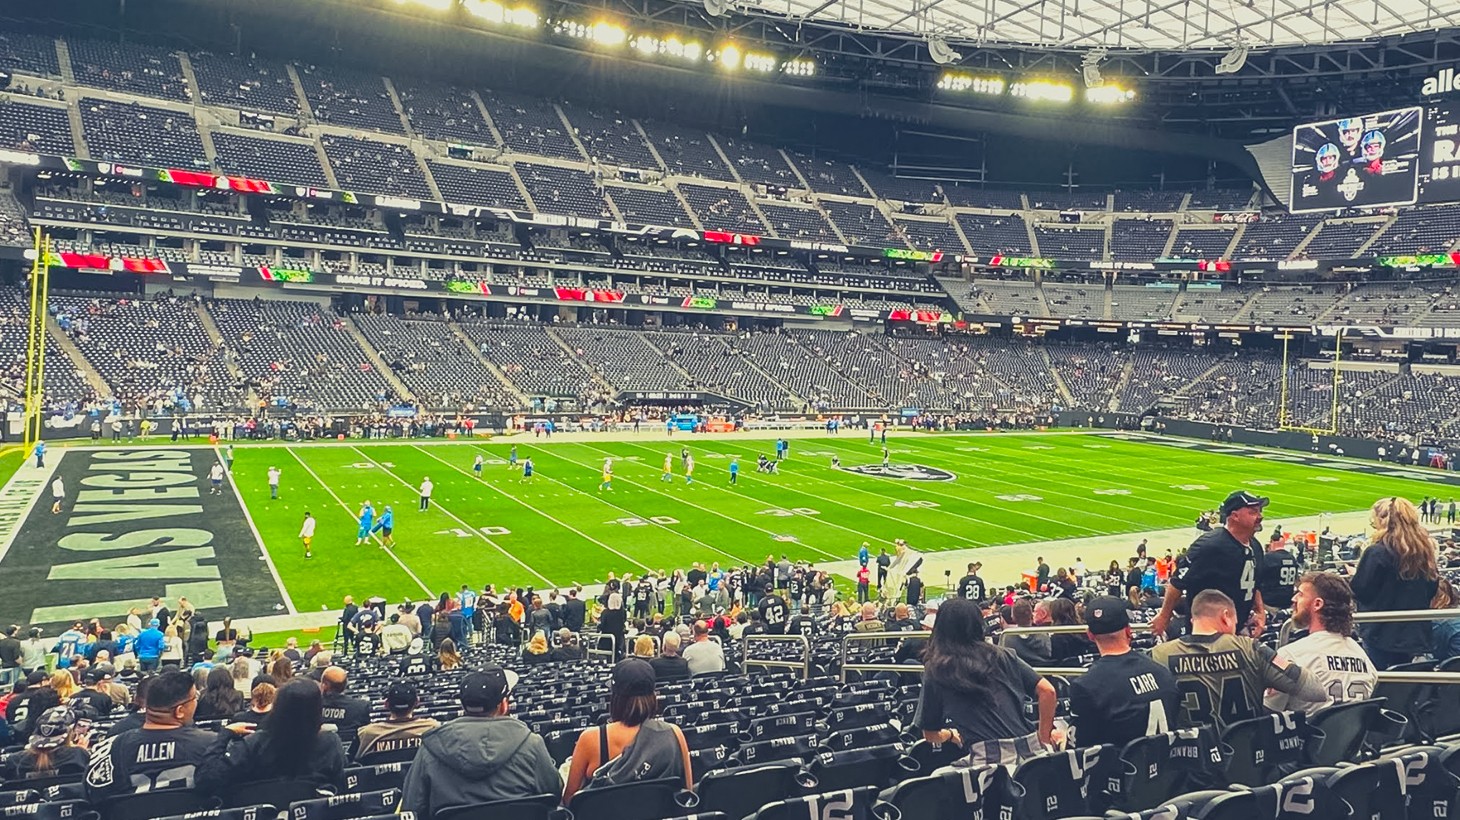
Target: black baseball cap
<point>94,676</point>
<point>1106,615</point>
<point>401,694</point>
<point>633,677</point>
<point>486,688</point>
<point>1241,499</point>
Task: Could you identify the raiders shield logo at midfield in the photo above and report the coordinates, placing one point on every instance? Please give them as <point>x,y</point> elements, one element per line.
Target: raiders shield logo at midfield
<point>906,472</point>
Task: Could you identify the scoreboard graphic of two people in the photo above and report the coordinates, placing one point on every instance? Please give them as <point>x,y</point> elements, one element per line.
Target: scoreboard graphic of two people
<point>1357,162</point>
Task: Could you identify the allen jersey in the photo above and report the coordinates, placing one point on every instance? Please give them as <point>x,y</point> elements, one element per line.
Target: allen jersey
<point>1339,664</point>
<point>1220,679</point>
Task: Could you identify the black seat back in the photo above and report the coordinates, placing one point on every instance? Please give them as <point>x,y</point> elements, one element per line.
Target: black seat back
<point>955,794</point>
<point>1161,767</point>
<point>147,805</point>
<point>1264,745</point>
<point>257,812</point>
<point>740,792</point>
<point>644,800</point>
<point>1415,701</point>
<point>346,806</point>
<point>537,807</point>
<point>1345,727</point>
<point>376,778</point>
<point>852,804</point>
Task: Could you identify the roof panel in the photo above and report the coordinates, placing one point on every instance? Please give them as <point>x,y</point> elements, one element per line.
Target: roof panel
<point>1142,24</point>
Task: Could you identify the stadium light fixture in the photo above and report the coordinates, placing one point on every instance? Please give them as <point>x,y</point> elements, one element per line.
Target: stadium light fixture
<point>799,67</point>
<point>941,52</point>
<point>493,12</point>
<point>759,62</point>
<point>1043,91</point>
<point>959,82</point>
<point>1233,61</point>
<point>434,5</point>
<point>1090,67</point>
<point>1109,95</point>
<point>668,47</point>
<point>729,58</point>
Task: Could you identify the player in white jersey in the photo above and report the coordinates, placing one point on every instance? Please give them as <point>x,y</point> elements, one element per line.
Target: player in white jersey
<point>668,474</point>
<point>1324,604</point>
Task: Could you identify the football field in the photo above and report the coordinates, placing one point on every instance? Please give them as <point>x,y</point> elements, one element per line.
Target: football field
<point>239,551</point>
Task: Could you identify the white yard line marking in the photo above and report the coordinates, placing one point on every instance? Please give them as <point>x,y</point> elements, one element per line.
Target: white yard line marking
<point>478,533</point>
<point>351,513</point>
<point>258,536</point>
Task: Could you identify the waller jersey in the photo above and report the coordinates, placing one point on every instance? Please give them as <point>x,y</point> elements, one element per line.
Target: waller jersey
<point>1339,665</point>
<point>1220,678</point>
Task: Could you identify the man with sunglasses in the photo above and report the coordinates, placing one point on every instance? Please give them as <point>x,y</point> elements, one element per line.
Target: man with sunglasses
<point>161,754</point>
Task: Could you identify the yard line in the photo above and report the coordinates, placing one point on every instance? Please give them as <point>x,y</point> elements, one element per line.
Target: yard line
<point>1020,487</point>
<point>547,582</point>
<point>350,512</point>
<point>942,532</point>
<point>606,502</point>
<point>864,536</point>
<point>247,516</point>
<point>796,471</point>
<point>565,525</point>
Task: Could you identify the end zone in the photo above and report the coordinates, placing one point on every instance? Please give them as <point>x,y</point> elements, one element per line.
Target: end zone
<point>138,522</point>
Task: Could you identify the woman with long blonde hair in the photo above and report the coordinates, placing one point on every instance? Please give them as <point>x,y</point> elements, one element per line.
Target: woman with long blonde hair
<point>1397,571</point>
<point>64,684</point>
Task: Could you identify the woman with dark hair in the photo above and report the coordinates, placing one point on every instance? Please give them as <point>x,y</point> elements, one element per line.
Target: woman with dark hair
<point>635,744</point>
<point>260,703</point>
<point>973,692</point>
<point>288,745</point>
<point>1115,580</point>
<point>219,698</point>
<point>440,628</point>
<point>447,658</point>
<point>1067,645</point>
<point>281,667</point>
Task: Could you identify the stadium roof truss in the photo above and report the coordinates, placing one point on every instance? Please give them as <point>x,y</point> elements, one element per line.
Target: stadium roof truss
<point>1128,24</point>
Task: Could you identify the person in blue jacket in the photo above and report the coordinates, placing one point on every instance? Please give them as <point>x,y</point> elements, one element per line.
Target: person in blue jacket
<point>386,526</point>
<point>367,520</point>
<point>40,454</point>
<point>149,646</point>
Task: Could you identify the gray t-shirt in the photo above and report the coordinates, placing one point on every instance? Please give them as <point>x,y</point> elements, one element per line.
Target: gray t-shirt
<point>997,715</point>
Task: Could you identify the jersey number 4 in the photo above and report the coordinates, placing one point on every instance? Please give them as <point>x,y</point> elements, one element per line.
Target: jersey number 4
<point>1196,700</point>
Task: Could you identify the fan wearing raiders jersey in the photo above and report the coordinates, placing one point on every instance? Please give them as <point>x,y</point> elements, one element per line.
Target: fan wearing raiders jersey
<point>971,587</point>
<point>1278,576</point>
<point>1220,676</point>
<point>163,754</point>
<point>1123,695</point>
<point>1227,559</point>
<point>1324,605</point>
<point>775,614</point>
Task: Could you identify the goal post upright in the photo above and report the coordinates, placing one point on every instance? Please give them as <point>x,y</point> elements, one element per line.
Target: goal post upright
<point>35,343</point>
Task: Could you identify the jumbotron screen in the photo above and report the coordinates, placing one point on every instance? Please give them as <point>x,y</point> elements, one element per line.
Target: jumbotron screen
<point>1439,167</point>
<point>1357,162</point>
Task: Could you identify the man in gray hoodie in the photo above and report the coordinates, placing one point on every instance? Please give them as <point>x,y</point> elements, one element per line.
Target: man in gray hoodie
<point>483,756</point>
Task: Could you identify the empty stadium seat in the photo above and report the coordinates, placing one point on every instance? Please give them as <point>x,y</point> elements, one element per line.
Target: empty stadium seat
<point>539,807</point>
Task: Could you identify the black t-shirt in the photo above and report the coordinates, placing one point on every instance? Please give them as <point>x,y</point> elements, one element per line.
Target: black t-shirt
<point>914,590</point>
<point>972,588</point>
<point>98,702</point>
<point>997,715</point>
<point>9,653</point>
<point>1133,578</point>
<point>694,577</point>
<point>347,713</point>
<point>795,587</point>
<point>1278,578</point>
<point>145,760</point>
<point>1218,561</point>
<point>1121,698</point>
<point>775,614</point>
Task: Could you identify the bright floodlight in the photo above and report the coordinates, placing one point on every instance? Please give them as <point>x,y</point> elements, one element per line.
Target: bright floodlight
<point>730,57</point>
<point>763,63</point>
<point>1043,91</point>
<point>608,34</point>
<point>434,5</point>
<point>1109,95</point>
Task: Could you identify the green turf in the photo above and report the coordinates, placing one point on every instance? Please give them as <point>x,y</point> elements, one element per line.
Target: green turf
<point>559,529</point>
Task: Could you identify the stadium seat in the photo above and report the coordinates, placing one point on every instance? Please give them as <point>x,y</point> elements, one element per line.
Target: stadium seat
<point>281,792</point>
<point>784,748</point>
<point>644,800</point>
<point>538,807</point>
<point>1059,784</point>
<point>147,805</point>
<point>739,792</point>
<point>864,766</point>
<point>860,803</point>
<point>1263,746</point>
<point>62,810</point>
<point>18,796</point>
<point>376,778</point>
<point>1445,716</point>
<point>1369,789</point>
<point>1346,728</point>
<point>346,806</point>
<point>1416,701</point>
<point>1154,775</point>
<point>930,757</point>
<point>257,812</point>
<point>953,794</point>
<point>1431,788</point>
<point>705,761</point>
<point>862,736</point>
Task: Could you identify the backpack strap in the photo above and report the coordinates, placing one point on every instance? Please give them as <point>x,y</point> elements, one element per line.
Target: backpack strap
<point>603,745</point>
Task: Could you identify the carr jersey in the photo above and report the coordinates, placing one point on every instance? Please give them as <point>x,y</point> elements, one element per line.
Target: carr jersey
<point>1216,560</point>
<point>1220,678</point>
<point>1122,697</point>
<point>1337,661</point>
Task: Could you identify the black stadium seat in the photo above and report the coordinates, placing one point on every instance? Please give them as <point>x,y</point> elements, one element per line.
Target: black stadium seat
<point>147,805</point>
<point>1263,746</point>
<point>739,792</point>
<point>854,804</point>
<point>644,800</point>
<point>954,794</point>
<point>257,812</point>
<point>1347,726</point>
<point>346,806</point>
<point>863,766</point>
<point>376,778</point>
<point>62,810</point>
<point>538,807</point>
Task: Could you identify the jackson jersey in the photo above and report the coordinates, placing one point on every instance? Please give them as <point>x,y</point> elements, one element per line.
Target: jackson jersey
<point>1220,678</point>
<point>1339,664</point>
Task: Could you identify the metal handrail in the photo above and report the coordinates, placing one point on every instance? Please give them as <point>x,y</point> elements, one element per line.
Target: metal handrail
<point>851,637</point>
<point>1441,678</point>
<point>804,665</point>
<point>1395,616</point>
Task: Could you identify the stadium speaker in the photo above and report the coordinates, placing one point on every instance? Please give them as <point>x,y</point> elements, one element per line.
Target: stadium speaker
<point>717,8</point>
<point>941,52</point>
<point>1233,60</point>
